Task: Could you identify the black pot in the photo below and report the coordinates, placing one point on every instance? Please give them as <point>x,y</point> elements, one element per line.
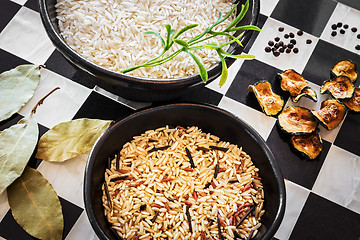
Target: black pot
<point>133,87</point>
<point>209,119</point>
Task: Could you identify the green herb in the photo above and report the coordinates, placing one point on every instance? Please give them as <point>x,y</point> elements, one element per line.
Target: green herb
<point>198,43</point>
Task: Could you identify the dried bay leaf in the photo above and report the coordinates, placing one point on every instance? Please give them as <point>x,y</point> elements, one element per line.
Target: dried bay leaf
<point>17,143</point>
<point>35,206</point>
<point>70,139</point>
<point>17,86</point>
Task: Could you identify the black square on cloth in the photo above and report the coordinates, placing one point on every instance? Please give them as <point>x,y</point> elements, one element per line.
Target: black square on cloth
<point>293,165</point>
<point>98,106</point>
<point>8,9</point>
<point>201,94</point>
<point>58,63</point>
<point>10,121</point>
<point>9,229</point>
<point>9,61</point>
<point>351,3</point>
<point>83,78</point>
<point>251,72</point>
<point>348,136</point>
<point>32,4</point>
<point>324,57</point>
<point>308,15</point>
<point>322,219</point>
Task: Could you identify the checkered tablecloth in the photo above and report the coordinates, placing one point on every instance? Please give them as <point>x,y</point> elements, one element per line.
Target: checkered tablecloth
<point>323,195</point>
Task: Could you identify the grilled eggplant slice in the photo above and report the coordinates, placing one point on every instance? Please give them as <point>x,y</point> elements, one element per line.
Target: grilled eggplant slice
<point>331,113</point>
<point>297,120</point>
<point>345,68</point>
<point>309,145</point>
<point>270,102</point>
<point>339,87</point>
<point>307,92</point>
<point>354,102</point>
<point>292,82</point>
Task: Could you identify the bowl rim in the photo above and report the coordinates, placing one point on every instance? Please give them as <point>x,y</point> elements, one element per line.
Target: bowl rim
<point>98,70</point>
<point>273,163</point>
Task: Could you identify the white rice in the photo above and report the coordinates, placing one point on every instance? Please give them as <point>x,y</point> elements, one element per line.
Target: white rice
<point>150,192</point>
<point>110,33</point>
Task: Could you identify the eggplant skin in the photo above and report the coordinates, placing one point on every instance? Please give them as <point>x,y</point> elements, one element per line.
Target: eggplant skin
<point>309,145</point>
<point>346,68</point>
<point>297,120</point>
<point>306,92</point>
<point>339,87</point>
<point>353,103</point>
<point>270,102</point>
<point>330,114</point>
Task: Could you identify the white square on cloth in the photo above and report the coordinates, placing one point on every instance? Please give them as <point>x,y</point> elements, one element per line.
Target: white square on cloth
<point>25,37</point>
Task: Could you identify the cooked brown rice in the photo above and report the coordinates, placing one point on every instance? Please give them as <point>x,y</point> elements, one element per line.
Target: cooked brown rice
<point>165,178</point>
<point>111,33</point>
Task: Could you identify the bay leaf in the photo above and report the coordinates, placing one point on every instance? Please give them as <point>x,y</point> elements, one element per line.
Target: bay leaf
<point>69,139</point>
<point>35,206</point>
<point>17,86</point>
<point>17,143</point>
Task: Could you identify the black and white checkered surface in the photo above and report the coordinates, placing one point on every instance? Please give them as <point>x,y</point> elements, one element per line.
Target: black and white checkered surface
<point>323,196</point>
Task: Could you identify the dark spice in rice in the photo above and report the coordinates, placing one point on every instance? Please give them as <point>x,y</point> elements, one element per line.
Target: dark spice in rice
<point>218,148</point>
<point>166,189</point>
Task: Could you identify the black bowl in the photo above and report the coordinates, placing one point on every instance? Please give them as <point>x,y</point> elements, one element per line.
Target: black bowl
<point>209,119</point>
<point>133,87</point>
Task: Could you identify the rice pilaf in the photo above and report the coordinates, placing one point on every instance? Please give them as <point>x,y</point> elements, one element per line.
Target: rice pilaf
<point>177,183</point>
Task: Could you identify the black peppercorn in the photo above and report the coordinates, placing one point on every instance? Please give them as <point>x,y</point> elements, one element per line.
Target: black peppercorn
<point>342,31</point>
<point>353,29</point>
<point>358,36</point>
<point>288,50</point>
<point>333,33</point>
<point>290,45</point>
<point>281,49</point>
<point>271,43</point>
<point>334,27</point>
<point>295,50</point>
<point>292,35</point>
<point>357,47</point>
<point>281,29</point>
<point>339,24</point>
<point>300,33</point>
<point>293,41</point>
<point>277,39</point>
<point>268,49</point>
<point>276,53</point>
<point>308,41</point>
<point>286,35</point>
<point>281,43</point>
<point>346,26</point>
<point>277,45</point>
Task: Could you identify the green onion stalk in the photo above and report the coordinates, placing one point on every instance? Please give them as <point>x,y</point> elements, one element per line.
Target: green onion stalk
<point>172,37</point>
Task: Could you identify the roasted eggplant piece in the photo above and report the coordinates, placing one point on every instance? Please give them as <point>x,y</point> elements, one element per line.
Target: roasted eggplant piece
<point>309,145</point>
<point>297,120</point>
<point>271,103</point>
<point>331,113</point>
<point>307,92</point>
<point>339,87</point>
<point>345,68</point>
<point>353,103</point>
<point>292,82</point>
